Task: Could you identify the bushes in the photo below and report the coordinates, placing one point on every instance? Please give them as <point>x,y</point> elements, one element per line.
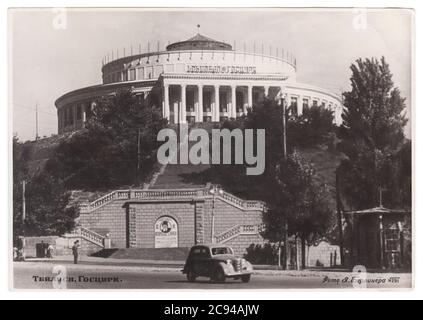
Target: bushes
<point>262,254</point>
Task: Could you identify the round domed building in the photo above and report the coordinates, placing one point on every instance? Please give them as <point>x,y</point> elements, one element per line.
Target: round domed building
<point>198,80</point>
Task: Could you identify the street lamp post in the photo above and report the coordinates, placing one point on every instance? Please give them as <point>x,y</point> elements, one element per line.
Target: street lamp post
<point>282,102</point>
<point>215,190</point>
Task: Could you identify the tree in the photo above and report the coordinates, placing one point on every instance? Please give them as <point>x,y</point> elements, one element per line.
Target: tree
<point>371,133</point>
<point>295,193</point>
<point>105,155</point>
<point>300,200</point>
<point>313,127</point>
<point>47,203</point>
<point>48,209</point>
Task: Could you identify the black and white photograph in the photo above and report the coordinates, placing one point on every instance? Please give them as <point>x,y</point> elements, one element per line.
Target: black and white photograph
<point>211,148</point>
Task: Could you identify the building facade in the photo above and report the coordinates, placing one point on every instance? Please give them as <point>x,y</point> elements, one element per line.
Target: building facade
<point>198,80</point>
<point>193,81</point>
<point>169,218</point>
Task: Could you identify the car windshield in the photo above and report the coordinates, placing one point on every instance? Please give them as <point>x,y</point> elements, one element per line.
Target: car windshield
<point>221,250</point>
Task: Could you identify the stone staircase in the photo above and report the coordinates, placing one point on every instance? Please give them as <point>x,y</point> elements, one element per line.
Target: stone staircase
<point>236,231</point>
<point>90,236</point>
<point>171,194</point>
<point>182,175</point>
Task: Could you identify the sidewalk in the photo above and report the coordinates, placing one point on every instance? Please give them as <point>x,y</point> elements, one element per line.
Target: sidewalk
<point>110,261</point>
<point>176,266</point>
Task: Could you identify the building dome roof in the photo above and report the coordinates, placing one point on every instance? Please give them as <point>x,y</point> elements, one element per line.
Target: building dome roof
<point>199,42</point>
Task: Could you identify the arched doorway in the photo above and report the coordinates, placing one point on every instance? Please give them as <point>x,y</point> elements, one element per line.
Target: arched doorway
<point>166,233</point>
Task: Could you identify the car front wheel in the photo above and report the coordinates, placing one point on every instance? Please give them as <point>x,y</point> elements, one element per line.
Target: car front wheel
<point>246,278</point>
<point>191,276</point>
<point>219,275</point>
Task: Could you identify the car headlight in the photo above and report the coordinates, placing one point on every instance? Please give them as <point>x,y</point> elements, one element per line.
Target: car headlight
<point>229,262</point>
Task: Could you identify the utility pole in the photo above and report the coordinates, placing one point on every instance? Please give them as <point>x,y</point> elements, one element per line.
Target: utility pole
<point>213,218</point>
<point>138,156</point>
<point>285,156</point>
<point>282,103</point>
<point>23,203</point>
<point>36,122</point>
<point>339,212</point>
<point>215,191</point>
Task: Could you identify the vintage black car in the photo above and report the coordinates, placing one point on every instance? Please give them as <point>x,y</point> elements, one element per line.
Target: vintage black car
<point>217,262</point>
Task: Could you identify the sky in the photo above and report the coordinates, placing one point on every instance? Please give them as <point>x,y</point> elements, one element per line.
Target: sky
<point>52,52</point>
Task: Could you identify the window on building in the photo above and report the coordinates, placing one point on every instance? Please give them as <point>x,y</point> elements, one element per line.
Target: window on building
<point>149,72</point>
<point>159,70</point>
<point>125,75</point>
<point>239,101</point>
<point>78,112</point>
<point>305,103</point>
<point>294,106</point>
<point>207,101</point>
<point>132,75</point>
<point>190,101</point>
<point>223,102</point>
<point>140,74</point>
<point>69,110</point>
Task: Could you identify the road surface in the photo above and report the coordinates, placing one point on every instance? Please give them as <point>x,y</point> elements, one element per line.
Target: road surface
<point>43,275</point>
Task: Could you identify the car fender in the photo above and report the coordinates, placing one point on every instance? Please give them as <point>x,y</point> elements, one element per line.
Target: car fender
<point>249,266</point>
<point>227,269</point>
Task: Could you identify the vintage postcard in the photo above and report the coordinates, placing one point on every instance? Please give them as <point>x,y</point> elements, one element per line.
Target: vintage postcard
<point>211,148</point>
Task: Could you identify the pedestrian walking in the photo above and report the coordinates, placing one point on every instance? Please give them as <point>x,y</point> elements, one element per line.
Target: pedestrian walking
<point>75,248</point>
<point>50,250</point>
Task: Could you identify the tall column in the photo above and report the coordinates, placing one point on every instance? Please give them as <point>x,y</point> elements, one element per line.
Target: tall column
<point>84,114</point>
<point>166,111</point>
<point>244,100</point>
<point>196,105</point>
<point>216,112</point>
<point>300,105</point>
<point>250,96</point>
<point>200,102</point>
<point>232,112</point>
<point>266,91</point>
<point>183,103</point>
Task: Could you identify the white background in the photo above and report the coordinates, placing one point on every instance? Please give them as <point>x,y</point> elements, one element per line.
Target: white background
<point>5,173</point>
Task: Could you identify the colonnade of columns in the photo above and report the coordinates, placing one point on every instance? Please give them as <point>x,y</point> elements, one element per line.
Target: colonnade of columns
<point>176,110</point>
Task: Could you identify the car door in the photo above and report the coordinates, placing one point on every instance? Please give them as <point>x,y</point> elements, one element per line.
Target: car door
<point>202,262</point>
<point>195,260</point>
<point>206,262</point>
